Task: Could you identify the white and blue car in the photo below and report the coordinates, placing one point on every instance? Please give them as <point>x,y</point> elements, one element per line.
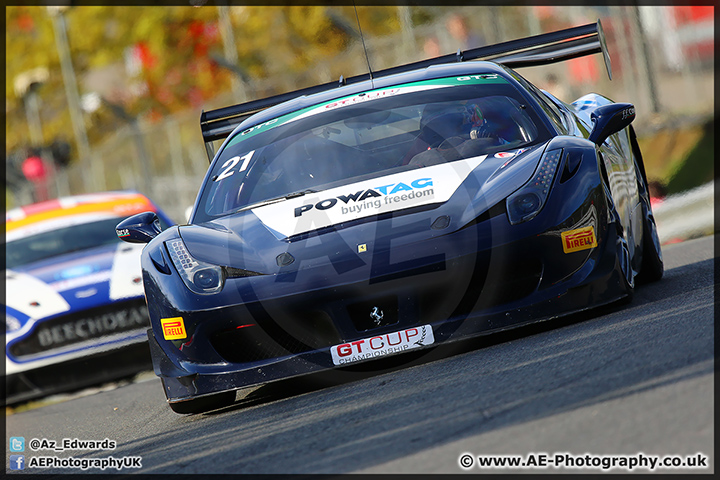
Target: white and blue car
<point>75,307</point>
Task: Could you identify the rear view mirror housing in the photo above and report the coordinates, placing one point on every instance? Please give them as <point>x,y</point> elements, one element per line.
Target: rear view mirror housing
<point>140,228</point>
<point>609,119</point>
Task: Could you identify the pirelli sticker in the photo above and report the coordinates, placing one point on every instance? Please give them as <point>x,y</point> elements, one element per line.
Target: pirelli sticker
<point>173,328</point>
<point>579,239</point>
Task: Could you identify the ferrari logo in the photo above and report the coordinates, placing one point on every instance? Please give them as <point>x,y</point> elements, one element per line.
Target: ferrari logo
<point>376,315</point>
<point>173,328</point>
<point>579,239</point>
<point>362,248</point>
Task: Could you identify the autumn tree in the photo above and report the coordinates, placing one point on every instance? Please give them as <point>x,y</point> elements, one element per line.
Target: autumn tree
<point>153,62</point>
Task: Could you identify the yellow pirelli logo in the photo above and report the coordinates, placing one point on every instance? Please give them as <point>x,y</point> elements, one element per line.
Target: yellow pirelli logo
<point>173,328</point>
<point>579,239</point>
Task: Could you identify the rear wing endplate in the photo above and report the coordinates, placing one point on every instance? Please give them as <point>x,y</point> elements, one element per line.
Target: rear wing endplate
<point>536,50</point>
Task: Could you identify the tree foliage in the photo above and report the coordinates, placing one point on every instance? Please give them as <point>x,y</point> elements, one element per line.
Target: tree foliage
<point>165,58</point>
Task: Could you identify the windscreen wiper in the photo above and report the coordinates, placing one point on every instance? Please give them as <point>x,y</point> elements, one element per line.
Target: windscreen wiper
<point>282,198</point>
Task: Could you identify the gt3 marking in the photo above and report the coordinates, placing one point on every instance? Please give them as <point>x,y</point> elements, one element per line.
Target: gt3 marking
<point>256,127</point>
<point>381,345</point>
<point>579,239</point>
<point>173,328</point>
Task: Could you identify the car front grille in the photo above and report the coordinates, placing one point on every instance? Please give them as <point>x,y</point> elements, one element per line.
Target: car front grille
<point>293,330</point>
<point>453,289</point>
<point>83,326</point>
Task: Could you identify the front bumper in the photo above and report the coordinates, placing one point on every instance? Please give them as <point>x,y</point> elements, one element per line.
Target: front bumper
<point>467,280</point>
<point>198,379</point>
<point>262,340</point>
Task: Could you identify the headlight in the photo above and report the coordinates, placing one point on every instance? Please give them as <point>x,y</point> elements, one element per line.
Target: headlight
<point>200,277</point>
<point>11,323</point>
<point>527,201</point>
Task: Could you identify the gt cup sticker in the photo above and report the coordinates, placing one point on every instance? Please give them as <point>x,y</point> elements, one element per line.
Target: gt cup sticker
<point>173,328</point>
<point>382,345</point>
<point>579,239</point>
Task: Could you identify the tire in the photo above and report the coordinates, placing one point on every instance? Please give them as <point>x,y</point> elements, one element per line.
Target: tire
<point>628,276</point>
<point>204,404</point>
<point>652,267</point>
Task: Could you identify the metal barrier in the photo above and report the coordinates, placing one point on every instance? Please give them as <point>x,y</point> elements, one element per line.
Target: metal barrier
<point>686,215</point>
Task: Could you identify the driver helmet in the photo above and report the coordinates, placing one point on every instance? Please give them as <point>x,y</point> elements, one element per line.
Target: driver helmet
<point>441,122</point>
<point>497,120</point>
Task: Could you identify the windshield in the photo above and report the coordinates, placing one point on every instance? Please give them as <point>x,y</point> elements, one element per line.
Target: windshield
<point>379,132</point>
<point>60,241</point>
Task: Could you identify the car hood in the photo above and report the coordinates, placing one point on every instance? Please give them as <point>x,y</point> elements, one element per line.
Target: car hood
<point>461,190</point>
<point>73,281</point>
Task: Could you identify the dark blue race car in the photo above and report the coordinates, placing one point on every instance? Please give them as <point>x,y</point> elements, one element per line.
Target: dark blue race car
<point>379,215</point>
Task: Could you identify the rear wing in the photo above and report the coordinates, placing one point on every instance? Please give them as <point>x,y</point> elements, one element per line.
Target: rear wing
<point>542,49</point>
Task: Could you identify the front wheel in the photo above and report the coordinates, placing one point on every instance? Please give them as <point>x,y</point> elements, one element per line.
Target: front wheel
<point>651,268</point>
<point>205,403</point>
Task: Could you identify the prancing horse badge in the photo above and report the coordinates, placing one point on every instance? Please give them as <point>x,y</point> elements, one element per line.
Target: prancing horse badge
<point>377,315</point>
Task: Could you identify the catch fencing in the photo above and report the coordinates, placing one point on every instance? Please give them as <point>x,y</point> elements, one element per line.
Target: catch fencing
<point>655,66</point>
<point>686,215</point>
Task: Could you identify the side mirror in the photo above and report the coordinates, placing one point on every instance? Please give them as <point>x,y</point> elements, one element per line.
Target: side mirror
<point>610,119</point>
<point>140,228</point>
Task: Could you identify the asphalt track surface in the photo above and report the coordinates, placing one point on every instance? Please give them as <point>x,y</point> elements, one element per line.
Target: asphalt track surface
<point>625,380</point>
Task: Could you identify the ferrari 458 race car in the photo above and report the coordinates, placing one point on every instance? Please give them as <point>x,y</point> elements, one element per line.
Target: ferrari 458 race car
<point>75,311</point>
<point>379,215</point>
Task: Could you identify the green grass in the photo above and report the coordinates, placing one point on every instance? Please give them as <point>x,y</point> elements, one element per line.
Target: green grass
<point>698,166</point>
<point>680,158</point>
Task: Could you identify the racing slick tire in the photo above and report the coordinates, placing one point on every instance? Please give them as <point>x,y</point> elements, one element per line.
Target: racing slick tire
<point>204,404</point>
<point>652,267</point>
